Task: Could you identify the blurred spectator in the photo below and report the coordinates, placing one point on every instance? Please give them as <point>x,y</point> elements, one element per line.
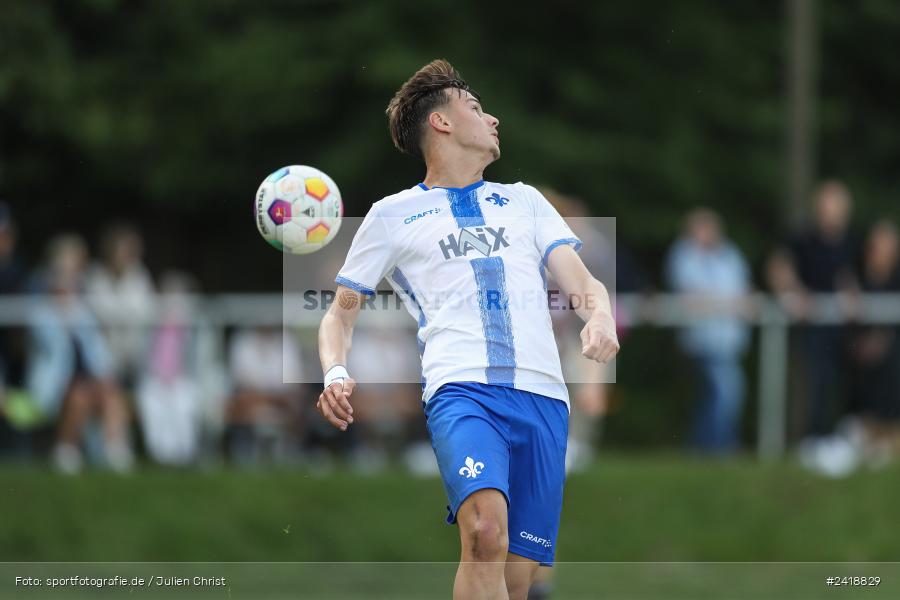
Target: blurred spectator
<point>120,291</point>
<point>871,435</point>
<point>70,367</point>
<point>12,281</point>
<point>876,348</point>
<point>387,412</point>
<point>585,379</point>
<point>168,395</point>
<point>710,270</point>
<point>265,407</point>
<point>12,273</point>
<point>819,259</point>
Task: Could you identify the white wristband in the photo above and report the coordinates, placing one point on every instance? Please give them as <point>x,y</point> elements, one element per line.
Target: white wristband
<point>336,373</point>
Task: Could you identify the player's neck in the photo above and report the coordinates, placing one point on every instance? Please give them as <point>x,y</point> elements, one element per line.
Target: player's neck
<point>453,173</point>
<point>451,180</point>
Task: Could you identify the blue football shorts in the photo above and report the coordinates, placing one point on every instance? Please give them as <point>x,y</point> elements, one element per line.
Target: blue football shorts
<point>489,436</point>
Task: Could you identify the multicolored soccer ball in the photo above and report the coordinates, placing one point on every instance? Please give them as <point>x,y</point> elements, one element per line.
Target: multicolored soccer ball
<point>298,209</point>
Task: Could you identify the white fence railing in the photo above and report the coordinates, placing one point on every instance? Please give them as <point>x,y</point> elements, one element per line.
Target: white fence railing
<point>659,310</point>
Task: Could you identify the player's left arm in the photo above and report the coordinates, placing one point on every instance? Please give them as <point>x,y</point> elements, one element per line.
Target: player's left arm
<point>590,300</point>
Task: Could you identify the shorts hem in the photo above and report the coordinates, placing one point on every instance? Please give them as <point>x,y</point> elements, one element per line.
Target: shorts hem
<point>543,559</point>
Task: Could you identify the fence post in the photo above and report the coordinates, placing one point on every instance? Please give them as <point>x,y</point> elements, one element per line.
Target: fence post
<point>772,402</point>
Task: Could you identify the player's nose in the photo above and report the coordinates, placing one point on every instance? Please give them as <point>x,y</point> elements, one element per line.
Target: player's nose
<point>493,121</point>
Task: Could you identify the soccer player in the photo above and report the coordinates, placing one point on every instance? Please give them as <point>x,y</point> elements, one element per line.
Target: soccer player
<point>470,260</point>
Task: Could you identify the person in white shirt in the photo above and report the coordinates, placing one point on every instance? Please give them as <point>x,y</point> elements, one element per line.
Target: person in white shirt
<point>262,361</point>
<point>470,259</point>
<point>121,293</point>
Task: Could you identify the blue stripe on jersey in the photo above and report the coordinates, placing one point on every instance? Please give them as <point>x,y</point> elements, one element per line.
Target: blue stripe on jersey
<point>464,206</point>
<point>353,285</point>
<point>401,280</point>
<point>574,242</point>
<point>493,303</point>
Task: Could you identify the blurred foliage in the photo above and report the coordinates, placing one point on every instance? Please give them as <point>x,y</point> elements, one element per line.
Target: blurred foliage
<point>169,113</point>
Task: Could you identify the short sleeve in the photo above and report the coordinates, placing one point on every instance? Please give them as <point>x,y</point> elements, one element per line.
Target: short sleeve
<point>370,257</point>
<point>550,230</point>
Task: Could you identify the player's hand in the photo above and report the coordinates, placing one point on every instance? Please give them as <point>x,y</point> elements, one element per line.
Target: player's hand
<point>334,403</point>
<point>598,338</point>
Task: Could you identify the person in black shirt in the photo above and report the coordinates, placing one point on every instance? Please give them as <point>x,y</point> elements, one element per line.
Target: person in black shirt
<point>819,259</point>
<point>876,348</point>
<point>12,281</point>
<point>12,274</point>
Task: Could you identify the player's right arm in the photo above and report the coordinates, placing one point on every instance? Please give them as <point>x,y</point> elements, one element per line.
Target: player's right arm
<point>335,333</point>
<point>369,259</point>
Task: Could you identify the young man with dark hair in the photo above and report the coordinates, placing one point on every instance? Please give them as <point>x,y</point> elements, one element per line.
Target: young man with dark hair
<point>469,258</point>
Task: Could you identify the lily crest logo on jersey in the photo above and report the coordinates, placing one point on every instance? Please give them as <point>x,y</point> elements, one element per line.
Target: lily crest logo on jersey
<point>459,244</point>
<point>495,198</point>
<point>472,469</point>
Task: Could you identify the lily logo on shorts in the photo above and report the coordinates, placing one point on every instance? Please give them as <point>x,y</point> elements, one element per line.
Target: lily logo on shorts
<point>472,469</point>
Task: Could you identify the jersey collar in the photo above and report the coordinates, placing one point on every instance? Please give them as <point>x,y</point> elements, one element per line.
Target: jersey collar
<point>468,188</point>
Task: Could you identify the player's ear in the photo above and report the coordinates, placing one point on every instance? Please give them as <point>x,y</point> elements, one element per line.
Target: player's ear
<point>439,121</point>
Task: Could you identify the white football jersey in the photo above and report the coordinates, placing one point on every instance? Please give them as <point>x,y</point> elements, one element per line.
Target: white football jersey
<point>469,264</point>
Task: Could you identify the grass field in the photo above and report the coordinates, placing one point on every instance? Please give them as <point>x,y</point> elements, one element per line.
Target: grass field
<point>636,509</point>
